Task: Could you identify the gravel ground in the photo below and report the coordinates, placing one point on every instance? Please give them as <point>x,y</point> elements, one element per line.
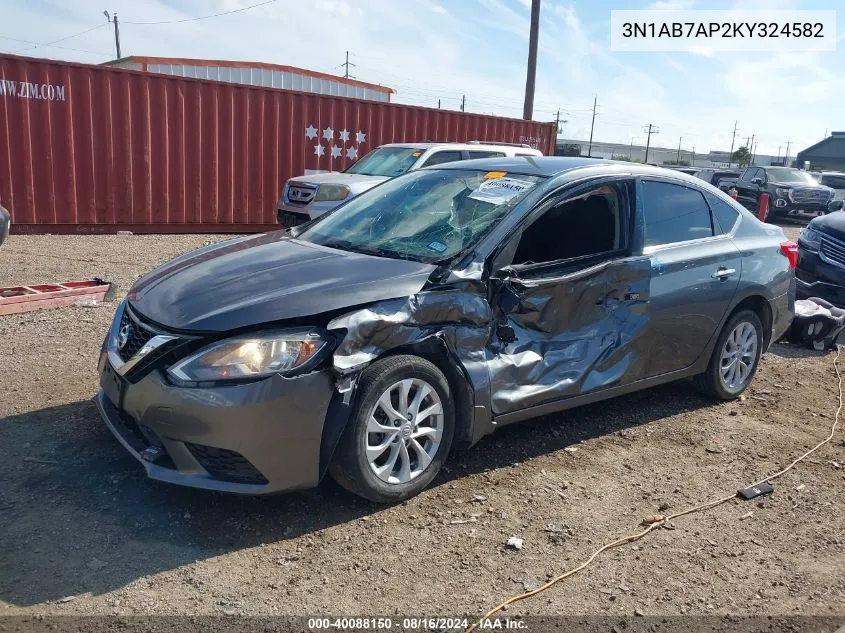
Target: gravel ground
<point>84,532</point>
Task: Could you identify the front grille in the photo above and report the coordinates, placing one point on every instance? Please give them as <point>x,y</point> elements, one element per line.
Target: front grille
<point>299,194</point>
<point>136,336</point>
<point>290,218</point>
<point>226,465</point>
<point>833,250</point>
<point>810,196</point>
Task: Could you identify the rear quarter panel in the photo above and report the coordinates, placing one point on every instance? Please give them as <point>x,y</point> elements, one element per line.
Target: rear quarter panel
<point>765,270</point>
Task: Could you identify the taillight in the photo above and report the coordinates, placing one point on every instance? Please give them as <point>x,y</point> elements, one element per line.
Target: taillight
<point>790,251</point>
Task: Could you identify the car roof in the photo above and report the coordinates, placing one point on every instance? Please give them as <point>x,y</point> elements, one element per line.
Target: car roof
<point>467,146</point>
<point>557,165</point>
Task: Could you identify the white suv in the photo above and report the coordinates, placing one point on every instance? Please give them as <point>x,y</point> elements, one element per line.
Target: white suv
<point>307,197</point>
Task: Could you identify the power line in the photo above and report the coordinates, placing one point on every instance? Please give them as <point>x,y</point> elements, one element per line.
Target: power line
<point>66,48</point>
<point>202,17</point>
<point>61,39</point>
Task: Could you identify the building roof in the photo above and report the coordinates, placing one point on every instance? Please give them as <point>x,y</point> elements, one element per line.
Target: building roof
<point>833,144</point>
<point>185,61</point>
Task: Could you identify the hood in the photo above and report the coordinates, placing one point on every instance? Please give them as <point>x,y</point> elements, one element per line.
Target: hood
<point>265,278</point>
<point>832,224</point>
<point>357,182</point>
<point>798,185</point>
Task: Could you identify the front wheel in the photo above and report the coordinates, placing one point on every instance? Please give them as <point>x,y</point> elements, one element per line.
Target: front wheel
<point>400,431</point>
<point>735,358</point>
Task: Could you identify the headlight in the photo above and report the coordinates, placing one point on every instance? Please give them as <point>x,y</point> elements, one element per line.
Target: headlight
<point>810,239</point>
<point>782,193</point>
<point>331,192</point>
<point>252,356</point>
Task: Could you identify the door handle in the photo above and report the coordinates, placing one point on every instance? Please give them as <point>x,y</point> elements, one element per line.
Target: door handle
<point>723,273</point>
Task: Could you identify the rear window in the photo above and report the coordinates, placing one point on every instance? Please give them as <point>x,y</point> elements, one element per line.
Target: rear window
<point>674,213</point>
<point>485,154</point>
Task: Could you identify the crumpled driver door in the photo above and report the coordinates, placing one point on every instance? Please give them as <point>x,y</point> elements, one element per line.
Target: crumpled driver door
<point>559,335</point>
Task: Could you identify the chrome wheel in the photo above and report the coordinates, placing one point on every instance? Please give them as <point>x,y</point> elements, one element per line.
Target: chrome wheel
<point>739,354</point>
<point>404,431</point>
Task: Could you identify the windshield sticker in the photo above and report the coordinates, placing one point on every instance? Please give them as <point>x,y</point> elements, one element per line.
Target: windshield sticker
<point>437,247</point>
<point>416,154</point>
<point>495,174</point>
<point>500,190</point>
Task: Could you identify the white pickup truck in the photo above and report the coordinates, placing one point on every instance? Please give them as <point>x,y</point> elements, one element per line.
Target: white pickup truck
<point>307,197</point>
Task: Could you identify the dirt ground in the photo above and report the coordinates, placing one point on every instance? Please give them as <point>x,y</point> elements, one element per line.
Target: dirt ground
<point>83,531</point>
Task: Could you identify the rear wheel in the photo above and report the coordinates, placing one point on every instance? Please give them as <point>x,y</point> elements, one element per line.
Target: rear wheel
<point>400,432</point>
<point>735,357</point>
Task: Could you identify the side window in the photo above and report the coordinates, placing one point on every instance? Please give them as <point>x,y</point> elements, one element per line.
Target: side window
<point>479,154</point>
<point>836,182</point>
<point>589,224</point>
<point>725,215</point>
<point>446,156</point>
<point>674,213</point>
<point>748,174</point>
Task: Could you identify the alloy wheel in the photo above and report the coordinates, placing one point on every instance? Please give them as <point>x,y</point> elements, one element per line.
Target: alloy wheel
<point>404,431</point>
<point>739,355</point>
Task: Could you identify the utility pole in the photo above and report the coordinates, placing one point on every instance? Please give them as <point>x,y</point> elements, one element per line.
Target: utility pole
<point>592,126</point>
<point>438,104</point>
<point>346,65</point>
<point>751,149</point>
<point>463,103</point>
<point>631,147</point>
<point>113,20</point>
<point>678,159</point>
<point>692,162</point>
<point>528,108</point>
<point>733,140</point>
<point>754,152</point>
<point>780,147</point>
<point>650,129</point>
<point>786,156</point>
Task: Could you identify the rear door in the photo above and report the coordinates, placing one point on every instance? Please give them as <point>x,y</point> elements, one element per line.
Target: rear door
<point>569,300</point>
<point>695,271</point>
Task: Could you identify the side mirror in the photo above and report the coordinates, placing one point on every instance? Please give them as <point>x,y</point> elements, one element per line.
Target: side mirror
<point>835,205</point>
<point>5,222</point>
<point>756,181</point>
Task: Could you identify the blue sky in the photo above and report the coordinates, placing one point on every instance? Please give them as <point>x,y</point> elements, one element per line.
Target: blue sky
<point>442,49</point>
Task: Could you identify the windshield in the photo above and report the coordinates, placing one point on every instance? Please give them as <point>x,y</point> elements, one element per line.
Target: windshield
<point>426,215</point>
<point>386,161</point>
<point>784,174</point>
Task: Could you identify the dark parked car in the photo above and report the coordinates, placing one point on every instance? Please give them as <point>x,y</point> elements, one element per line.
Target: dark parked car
<point>431,310</point>
<point>713,175</point>
<point>821,258</point>
<point>791,191</point>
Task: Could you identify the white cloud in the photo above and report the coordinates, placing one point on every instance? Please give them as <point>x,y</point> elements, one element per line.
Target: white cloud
<point>437,8</point>
<point>675,5</point>
<point>703,51</point>
<point>676,65</point>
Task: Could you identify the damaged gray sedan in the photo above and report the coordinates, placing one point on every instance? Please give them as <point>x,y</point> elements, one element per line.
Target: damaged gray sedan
<point>431,310</point>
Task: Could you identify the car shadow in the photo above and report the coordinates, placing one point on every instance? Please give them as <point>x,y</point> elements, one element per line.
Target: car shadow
<point>793,350</point>
<point>77,514</point>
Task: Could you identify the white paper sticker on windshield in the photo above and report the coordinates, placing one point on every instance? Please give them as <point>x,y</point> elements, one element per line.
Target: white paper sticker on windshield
<point>500,190</point>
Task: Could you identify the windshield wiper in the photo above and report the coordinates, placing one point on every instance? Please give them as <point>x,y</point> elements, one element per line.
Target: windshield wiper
<point>346,245</point>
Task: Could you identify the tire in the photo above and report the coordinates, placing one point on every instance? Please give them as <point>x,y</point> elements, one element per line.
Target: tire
<point>712,382</point>
<point>412,452</point>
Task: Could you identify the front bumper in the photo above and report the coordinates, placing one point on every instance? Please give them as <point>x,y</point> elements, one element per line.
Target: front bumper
<point>253,438</point>
<point>816,277</point>
<point>289,214</point>
<point>782,206</point>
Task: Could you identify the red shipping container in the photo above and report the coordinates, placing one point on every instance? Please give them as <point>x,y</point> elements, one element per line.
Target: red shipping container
<point>96,149</point>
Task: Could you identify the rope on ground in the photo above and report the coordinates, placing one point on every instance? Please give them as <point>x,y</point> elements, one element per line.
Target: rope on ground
<point>658,521</point>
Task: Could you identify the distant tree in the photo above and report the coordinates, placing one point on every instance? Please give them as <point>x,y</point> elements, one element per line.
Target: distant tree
<point>678,163</point>
<point>742,157</point>
<point>621,157</point>
<point>570,149</point>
